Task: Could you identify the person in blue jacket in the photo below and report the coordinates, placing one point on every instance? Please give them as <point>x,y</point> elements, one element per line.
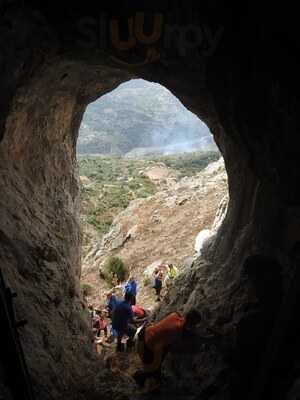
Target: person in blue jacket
<point>111,303</point>
<point>122,320</point>
<point>131,287</point>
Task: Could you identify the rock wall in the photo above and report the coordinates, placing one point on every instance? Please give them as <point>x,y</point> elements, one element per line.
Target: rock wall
<point>40,233</point>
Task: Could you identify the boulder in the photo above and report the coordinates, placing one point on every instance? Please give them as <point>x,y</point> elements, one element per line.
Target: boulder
<point>200,239</point>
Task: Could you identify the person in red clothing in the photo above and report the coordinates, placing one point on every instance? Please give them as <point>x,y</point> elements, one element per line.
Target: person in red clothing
<point>153,342</point>
<point>138,312</point>
<point>101,324</point>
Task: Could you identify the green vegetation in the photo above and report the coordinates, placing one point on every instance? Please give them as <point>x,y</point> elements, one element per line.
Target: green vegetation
<point>113,266</point>
<point>146,280</point>
<point>111,182</point>
<point>114,182</point>
<point>188,164</point>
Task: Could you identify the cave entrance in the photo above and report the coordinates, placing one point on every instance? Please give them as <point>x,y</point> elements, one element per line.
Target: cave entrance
<point>45,118</point>
<point>147,198</point>
<point>38,160</point>
<point>249,99</point>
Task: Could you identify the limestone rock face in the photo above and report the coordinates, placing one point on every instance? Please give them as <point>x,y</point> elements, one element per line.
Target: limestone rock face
<point>202,236</point>
<point>40,236</point>
<point>244,85</point>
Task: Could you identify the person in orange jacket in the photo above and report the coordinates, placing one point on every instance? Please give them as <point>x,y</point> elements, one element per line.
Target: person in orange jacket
<point>153,342</point>
<point>173,332</point>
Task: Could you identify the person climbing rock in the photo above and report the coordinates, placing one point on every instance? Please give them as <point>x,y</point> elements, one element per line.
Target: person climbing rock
<point>153,342</point>
<point>174,333</point>
<point>157,281</point>
<point>131,287</point>
<point>121,321</point>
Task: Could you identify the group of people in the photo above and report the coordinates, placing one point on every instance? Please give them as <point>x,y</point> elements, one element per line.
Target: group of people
<point>124,314</point>
<point>152,341</point>
<point>123,318</point>
<point>122,311</point>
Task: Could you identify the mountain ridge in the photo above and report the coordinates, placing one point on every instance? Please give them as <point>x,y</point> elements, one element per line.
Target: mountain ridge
<point>141,114</point>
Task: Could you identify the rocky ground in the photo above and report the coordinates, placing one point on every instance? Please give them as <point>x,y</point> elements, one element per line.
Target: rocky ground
<point>161,228</point>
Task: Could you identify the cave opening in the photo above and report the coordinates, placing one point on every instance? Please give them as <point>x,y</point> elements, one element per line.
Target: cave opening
<point>48,186</point>
<point>49,178</point>
<point>250,102</point>
<point>134,142</point>
<point>146,200</point>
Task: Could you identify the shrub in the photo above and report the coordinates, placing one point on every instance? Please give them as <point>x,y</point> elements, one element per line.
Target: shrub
<point>113,265</point>
<point>103,226</point>
<point>146,280</point>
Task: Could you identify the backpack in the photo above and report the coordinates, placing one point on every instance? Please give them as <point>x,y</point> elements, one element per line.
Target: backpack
<point>127,288</point>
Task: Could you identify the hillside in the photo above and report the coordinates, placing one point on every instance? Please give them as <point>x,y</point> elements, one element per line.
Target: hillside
<point>109,183</point>
<point>140,117</point>
<point>162,226</point>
